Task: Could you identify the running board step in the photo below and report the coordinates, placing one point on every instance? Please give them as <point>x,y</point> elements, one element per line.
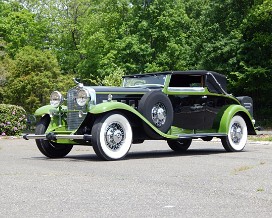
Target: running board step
<point>200,135</point>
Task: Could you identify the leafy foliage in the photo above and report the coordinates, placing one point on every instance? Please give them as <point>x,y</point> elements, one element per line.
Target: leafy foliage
<point>19,27</point>
<point>33,77</point>
<point>42,43</point>
<point>12,120</point>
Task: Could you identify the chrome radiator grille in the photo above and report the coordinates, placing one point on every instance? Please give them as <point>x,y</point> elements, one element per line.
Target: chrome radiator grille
<point>73,118</point>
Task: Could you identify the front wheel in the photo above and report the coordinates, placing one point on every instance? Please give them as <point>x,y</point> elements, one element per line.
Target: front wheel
<point>181,145</point>
<point>49,148</point>
<point>111,136</point>
<point>237,135</point>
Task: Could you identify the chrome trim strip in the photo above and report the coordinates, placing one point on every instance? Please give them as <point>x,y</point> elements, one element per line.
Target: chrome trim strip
<point>186,89</point>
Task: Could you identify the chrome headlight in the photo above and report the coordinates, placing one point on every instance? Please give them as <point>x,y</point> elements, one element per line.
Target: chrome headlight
<point>83,97</point>
<point>56,99</point>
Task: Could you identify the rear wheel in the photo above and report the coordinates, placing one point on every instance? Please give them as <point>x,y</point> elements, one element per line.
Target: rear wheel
<point>237,135</point>
<point>49,148</point>
<point>111,136</point>
<point>181,145</point>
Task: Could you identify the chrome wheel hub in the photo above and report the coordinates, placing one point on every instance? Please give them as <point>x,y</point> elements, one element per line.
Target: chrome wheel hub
<point>236,133</point>
<point>114,136</point>
<point>158,114</point>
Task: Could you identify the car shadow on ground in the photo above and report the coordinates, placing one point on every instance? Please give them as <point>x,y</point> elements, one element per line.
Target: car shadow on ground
<point>152,154</point>
<point>170,153</point>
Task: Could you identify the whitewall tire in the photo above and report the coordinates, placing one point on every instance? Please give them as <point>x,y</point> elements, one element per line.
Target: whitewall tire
<point>112,136</point>
<point>237,135</point>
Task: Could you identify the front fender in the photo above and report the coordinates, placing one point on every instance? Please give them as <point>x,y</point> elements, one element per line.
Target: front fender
<point>48,109</point>
<point>230,111</point>
<point>110,106</point>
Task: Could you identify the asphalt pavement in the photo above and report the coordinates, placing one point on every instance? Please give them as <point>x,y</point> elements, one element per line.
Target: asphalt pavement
<point>152,181</point>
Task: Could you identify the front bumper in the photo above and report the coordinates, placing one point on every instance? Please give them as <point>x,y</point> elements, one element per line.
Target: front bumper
<point>53,137</point>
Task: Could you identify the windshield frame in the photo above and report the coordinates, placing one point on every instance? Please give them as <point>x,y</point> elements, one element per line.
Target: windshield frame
<point>144,80</point>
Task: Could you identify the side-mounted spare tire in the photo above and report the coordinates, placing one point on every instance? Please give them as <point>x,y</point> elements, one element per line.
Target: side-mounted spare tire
<point>157,108</point>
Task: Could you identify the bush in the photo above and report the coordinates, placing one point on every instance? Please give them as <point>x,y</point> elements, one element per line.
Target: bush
<point>12,120</point>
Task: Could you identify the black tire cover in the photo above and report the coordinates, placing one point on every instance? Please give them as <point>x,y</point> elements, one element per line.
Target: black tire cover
<point>147,102</point>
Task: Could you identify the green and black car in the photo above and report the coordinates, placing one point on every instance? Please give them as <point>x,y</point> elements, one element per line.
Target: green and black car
<point>175,106</point>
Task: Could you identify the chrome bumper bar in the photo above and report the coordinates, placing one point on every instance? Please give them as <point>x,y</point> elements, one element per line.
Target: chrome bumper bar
<point>53,137</point>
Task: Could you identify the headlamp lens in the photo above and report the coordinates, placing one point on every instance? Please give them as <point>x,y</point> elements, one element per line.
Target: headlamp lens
<point>56,99</point>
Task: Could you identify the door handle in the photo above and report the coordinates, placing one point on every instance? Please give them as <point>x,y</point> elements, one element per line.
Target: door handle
<point>204,96</point>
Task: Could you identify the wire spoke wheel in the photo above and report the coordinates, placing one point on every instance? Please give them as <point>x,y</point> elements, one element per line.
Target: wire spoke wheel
<point>115,136</point>
<point>111,136</point>
<point>237,135</point>
<point>158,114</point>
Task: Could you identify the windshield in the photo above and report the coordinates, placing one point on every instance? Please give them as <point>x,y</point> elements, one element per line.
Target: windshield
<point>145,80</point>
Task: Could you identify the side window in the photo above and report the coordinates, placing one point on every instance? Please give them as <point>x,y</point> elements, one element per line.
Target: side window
<point>187,81</point>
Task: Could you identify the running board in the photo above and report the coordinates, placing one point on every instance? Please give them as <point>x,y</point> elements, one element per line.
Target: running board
<point>53,137</point>
<point>200,135</point>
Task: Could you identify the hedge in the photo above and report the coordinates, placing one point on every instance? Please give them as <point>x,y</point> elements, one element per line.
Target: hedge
<point>12,120</point>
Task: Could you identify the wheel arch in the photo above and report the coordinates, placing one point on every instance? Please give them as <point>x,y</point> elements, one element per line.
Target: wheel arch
<point>47,109</point>
<point>250,126</point>
<point>223,120</point>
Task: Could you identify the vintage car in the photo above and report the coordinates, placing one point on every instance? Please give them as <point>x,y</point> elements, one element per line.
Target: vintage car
<point>175,106</point>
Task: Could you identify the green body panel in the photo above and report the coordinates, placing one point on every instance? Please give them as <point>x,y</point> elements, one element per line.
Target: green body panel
<point>59,126</point>
<point>166,84</point>
<point>225,115</point>
<point>109,106</point>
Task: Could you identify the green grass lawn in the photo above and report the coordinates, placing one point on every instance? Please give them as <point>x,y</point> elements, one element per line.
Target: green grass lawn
<point>261,137</point>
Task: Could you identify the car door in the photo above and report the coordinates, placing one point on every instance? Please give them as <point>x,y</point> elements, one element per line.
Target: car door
<point>189,111</point>
<point>186,93</point>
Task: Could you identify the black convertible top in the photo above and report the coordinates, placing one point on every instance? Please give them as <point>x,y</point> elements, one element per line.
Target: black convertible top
<point>214,81</point>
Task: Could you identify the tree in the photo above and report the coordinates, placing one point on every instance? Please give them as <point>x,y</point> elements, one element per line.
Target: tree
<point>136,36</point>
<point>155,36</point>
<point>19,28</point>
<point>35,74</point>
<point>100,40</point>
<point>218,36</point>
<point>254,77</point>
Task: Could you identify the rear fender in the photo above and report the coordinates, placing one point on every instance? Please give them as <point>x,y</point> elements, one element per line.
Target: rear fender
<point>222,121</point>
